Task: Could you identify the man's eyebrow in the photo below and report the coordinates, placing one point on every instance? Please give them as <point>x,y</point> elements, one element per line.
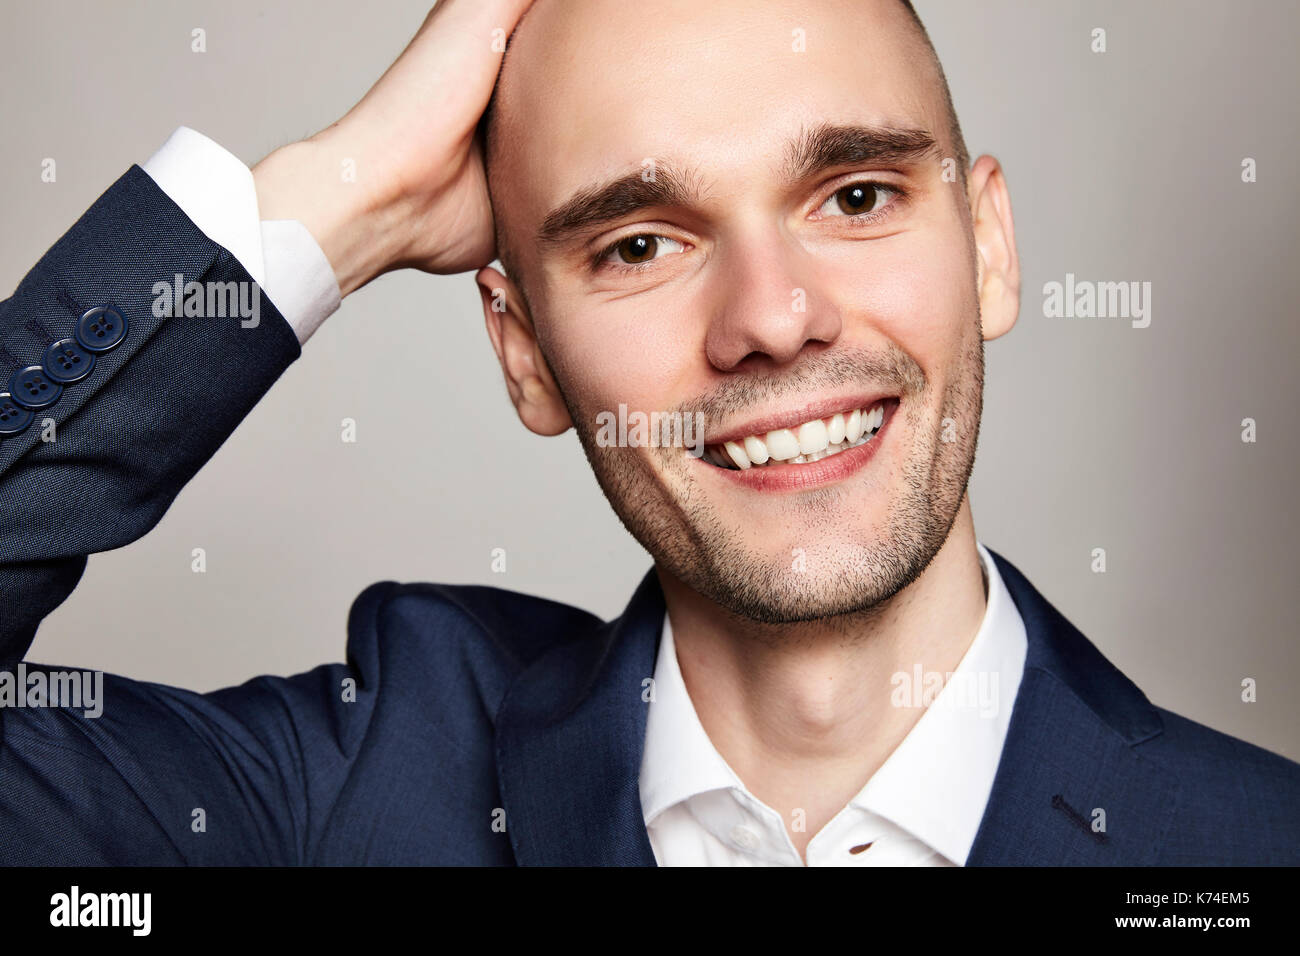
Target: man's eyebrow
<point>822,147</point>
<point>829,145</point>
<point>594,206</point>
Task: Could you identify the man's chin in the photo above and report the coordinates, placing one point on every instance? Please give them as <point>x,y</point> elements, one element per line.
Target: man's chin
<point>789,609</point>
<point>807,584</point>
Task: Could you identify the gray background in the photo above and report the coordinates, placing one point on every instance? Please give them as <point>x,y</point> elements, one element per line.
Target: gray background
<point>1122,166</point>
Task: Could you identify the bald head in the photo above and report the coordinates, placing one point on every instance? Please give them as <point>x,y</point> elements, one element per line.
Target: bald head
<point>548,53</point>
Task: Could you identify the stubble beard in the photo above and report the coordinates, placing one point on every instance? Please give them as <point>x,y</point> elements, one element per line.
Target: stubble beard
<point>665,508</point>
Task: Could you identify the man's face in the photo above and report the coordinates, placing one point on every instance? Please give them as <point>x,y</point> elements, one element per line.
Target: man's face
<point>787,248</point>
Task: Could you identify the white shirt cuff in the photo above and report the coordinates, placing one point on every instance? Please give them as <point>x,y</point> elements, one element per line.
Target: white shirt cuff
<point>216,191</point>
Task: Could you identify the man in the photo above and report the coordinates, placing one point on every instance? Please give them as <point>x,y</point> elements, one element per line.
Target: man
<point>696,218</point>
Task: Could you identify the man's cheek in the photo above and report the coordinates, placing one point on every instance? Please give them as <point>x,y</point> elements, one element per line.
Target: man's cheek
<point>930,314</point>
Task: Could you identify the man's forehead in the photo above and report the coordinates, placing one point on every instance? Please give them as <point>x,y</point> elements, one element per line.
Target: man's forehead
<point>590,86</point>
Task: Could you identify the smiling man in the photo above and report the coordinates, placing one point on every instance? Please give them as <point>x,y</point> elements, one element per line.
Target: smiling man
<point>762,215</point>
<point>806,276</point>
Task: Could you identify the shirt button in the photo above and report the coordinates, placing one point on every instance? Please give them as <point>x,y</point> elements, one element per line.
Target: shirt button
<point>744,837</point>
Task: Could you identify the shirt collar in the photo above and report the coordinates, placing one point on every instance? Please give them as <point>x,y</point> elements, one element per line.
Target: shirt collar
<point>935,784</point>
<point>679,760</point>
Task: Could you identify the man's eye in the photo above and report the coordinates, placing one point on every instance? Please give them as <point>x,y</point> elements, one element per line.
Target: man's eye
<point>857,199</point>
<point>638,249</point>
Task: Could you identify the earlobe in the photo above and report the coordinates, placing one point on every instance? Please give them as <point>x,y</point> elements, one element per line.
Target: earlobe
<point>529,382</point>
<point>998,264</point>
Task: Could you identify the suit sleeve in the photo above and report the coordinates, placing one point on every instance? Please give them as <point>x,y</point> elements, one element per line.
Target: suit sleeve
<point>161,775</point>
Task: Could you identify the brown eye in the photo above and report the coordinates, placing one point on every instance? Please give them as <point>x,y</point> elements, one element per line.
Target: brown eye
<point>636,249</point>
<point>858,198</point>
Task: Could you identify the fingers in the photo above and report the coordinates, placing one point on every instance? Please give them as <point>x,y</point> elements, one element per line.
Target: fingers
<point>480,13</point>
<point>451,65</point>
<point>482,25</point>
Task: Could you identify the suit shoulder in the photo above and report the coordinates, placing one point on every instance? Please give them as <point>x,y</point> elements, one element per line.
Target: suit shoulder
<point>1231,792</point>
<point>1212,754</point>
<point>511,626</point>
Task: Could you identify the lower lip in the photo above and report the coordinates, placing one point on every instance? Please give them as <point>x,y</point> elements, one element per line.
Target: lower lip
<point>802,477</point>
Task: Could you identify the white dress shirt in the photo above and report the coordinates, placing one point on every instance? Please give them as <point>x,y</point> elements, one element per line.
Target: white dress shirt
<point>216,191</point>
<point>921,808</point>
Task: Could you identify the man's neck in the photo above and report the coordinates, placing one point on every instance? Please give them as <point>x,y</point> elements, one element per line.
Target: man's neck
<point>803,714</point>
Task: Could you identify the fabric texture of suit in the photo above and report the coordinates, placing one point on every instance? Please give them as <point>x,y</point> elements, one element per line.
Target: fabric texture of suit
<point>473,706</point>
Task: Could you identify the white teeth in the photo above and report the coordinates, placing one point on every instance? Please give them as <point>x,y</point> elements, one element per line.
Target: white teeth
<point>737,455</point>
<point>782,445</point>
<point>853,427</point>
<point>835,429</point>
<point>811,441</point>
<point>812,436</point>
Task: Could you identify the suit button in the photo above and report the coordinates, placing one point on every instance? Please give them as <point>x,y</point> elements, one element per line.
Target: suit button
<point>13,417</point>
<point>66,361</point>
<point>32,388</point>
<point>101,328</point>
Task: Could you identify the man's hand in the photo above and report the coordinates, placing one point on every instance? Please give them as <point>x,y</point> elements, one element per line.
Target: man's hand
<point>418,197</point>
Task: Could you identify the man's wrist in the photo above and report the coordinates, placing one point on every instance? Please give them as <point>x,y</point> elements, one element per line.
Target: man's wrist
<point>317,182</point>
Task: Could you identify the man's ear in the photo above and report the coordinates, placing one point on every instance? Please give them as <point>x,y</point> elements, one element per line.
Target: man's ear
<point>528,378</point>
<point>995,243</point>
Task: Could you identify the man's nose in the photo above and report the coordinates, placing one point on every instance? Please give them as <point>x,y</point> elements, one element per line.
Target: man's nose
<point>772,306</point>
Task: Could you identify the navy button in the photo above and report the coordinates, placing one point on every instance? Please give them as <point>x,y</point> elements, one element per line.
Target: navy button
<point>101,328</point>
<point>32,388</point>
<point>66,361</point>
<point>13,417</point>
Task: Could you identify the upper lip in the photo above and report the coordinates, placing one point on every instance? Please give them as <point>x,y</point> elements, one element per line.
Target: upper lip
<point>790,417</point>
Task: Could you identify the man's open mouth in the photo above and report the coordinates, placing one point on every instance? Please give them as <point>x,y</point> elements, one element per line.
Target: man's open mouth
<point>810,441</point>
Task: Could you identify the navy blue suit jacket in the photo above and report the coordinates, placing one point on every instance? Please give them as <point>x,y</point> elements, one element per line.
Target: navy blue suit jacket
<point>473,705</point>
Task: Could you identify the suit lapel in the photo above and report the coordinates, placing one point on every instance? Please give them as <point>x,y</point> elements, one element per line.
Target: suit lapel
<point>571,730</point>
<point>570,733</point>
<point>1071,752</point>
